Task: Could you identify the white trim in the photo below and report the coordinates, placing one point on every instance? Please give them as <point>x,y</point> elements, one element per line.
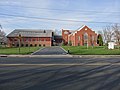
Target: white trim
<point>81,27</point>
<point>78,29</point>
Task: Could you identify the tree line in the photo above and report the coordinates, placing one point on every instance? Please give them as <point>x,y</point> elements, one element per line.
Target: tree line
<point>110,33</point>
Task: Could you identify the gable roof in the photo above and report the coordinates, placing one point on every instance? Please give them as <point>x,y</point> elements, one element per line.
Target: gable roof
<point>73,32</point>
<point>79,29</point>
<point>30,33</point>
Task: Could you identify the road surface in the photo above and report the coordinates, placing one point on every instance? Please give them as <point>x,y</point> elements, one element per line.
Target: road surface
<point>63,73</point>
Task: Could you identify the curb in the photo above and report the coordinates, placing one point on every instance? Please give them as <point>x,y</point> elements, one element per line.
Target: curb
<point>96,56</point>
<point>39,56</point>
<point>64,50</point>
<point>64,56</point>
<point>3,55</point>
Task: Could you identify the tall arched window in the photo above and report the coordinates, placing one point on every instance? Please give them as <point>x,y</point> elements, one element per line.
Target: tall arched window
<point>85,39</point>
<point>85,36</point>
<point>78,38</point>
<point>92,38</point>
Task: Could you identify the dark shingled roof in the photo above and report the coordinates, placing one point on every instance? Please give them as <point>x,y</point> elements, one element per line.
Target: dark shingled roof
<point>30,33</point>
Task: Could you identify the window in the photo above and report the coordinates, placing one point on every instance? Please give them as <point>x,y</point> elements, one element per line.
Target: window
<point>26,45</point>
<point>44,39</point>
<point>36,39</point>
<point>35,45</point>
<point>15,39</point>
<point>85,28</point>
<point>39,45</point>
<point>33,39</point>
<point>47,39</point>
<point>12,39</point>
<point>44,45</point>
<point>92,38</point>
<point>22,45</point>
<point>78,38</point>
<point>39,39</point>
<point>31,45</point>
<point>85,36</point>
<point>24,39</point>
<point>17,45</point>
<point>13,44</point>
<point>29,39</point>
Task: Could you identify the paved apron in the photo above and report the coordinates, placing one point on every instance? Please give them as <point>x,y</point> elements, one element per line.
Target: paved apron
<point>50,51</point>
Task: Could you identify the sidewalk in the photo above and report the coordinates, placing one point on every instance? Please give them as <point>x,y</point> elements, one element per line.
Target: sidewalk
<point>96,56</point>
<point>64,56</point>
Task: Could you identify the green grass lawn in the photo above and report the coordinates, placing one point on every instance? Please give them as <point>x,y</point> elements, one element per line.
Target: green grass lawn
<point>82,50</point>
<point>23,50</point>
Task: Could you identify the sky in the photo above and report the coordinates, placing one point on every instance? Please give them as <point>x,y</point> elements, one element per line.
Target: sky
<point>58,14</point>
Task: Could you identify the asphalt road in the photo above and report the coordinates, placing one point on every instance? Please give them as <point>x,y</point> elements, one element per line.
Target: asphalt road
<point>50,51</point>
<point>59,73</point>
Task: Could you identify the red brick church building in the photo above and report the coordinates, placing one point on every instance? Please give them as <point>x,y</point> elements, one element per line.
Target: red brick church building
<point>30,37</point>
<point>81,37</point>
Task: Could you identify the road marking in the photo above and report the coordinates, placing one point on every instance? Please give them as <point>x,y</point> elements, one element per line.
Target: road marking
<point>73,64</point>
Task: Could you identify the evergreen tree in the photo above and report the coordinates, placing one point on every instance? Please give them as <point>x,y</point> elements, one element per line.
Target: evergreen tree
<point>99,40</point>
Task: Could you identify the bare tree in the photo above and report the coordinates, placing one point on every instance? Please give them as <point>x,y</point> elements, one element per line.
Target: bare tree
<point>3,38</point>
<point>116,30</point>
<point>108,34</point>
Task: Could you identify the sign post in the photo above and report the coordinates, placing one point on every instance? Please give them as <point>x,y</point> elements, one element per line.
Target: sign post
<point>111,45</point>
<point>19,40</point>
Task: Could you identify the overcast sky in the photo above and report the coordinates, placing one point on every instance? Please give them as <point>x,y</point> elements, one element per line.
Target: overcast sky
<point>58,14</point>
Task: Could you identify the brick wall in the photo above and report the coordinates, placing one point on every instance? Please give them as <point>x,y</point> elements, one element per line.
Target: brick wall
<point>26,41</point>
<point>81,37</point>
<point>65,34</point>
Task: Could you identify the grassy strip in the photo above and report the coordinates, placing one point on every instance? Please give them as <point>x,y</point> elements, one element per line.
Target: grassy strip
<point>23,50</point>
<point>82,50</point>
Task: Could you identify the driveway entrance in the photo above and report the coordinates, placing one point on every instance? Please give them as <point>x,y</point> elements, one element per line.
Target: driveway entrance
<point>50,51</point>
